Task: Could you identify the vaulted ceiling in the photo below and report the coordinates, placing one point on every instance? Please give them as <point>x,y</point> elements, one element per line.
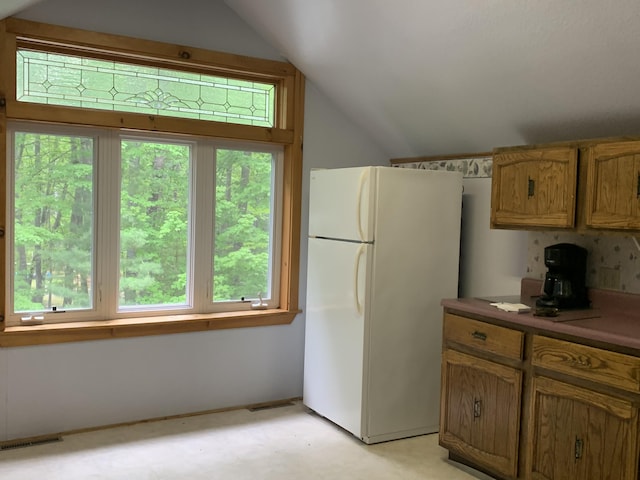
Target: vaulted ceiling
<point>430,77</point>
<point>9,7</point>
<point>450,76</point>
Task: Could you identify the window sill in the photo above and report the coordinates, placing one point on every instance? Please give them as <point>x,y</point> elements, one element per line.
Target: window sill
<point>19,336</point>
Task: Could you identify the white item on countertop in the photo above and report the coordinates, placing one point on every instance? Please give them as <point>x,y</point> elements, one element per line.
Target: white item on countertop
<point>512,307</point>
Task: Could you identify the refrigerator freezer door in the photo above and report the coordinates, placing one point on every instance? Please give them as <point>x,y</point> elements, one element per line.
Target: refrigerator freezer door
<point>340,203</point>
<point>335,331</point>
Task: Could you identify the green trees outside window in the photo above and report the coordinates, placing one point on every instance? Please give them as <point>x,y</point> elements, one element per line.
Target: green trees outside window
<point>154,221</point>
<point>53,221</point>
<point>57,194</point>
<point>243,222</point>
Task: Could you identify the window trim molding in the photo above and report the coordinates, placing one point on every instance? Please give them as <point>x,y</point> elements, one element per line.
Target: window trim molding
<point>288,132</point>
<point>21,336</point>
<point>23,33</point>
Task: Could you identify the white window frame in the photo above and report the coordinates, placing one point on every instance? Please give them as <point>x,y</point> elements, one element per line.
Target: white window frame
<point>106,226</point>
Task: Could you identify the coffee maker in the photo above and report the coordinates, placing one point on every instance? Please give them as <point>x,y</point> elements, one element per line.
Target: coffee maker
<point>564,283</point>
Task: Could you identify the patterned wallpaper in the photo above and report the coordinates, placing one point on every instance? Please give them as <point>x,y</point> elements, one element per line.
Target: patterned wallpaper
<point>612,259</point>
<point>470,167</point>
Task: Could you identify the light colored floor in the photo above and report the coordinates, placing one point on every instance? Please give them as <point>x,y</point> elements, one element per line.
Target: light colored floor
<point>279,443</point>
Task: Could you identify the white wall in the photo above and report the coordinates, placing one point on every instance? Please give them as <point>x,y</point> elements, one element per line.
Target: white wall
<point>492,261</point>
<point>45,389</point>
<point>330,141</point>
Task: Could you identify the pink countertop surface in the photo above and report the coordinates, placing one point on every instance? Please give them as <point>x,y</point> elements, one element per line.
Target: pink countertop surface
<point>613,319</point>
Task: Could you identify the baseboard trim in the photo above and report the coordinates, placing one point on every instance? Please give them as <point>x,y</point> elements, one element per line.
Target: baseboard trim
<point>53,437</point>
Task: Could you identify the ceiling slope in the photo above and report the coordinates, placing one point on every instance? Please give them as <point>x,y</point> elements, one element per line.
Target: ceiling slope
<point>9,7</point>
<point>451,76</point>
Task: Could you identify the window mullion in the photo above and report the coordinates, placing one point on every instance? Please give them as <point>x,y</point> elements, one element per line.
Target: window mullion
<point>203,198</point>
<point>107,225</point>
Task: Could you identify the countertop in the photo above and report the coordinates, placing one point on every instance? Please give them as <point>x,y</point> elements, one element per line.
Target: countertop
<point>613,319</point>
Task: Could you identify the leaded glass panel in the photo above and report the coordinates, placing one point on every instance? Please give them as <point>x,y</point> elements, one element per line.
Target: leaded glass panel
<point>56,79</point>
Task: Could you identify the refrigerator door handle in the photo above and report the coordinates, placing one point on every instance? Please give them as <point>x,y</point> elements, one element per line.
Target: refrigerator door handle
<point>356,280</point>
<point>363,178</point>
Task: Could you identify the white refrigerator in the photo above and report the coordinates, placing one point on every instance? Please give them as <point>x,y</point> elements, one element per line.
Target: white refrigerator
<point>384,248</point>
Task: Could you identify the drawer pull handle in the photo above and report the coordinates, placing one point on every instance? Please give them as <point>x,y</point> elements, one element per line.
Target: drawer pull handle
<point>578,448</point>
<point>477,408</point>
<point>479,335</point>
<point>638,186</point>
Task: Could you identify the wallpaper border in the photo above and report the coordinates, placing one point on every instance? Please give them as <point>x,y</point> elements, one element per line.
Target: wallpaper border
<point>470,167</point>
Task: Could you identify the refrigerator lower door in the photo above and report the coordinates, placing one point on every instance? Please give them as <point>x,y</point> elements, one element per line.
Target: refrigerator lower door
<point>335,331</point>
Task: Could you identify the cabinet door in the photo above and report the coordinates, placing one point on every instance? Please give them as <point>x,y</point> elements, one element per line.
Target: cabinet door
<point>578,433</point>
<point>480,411</point>
<point>613,186</point>
<point>534,188</point>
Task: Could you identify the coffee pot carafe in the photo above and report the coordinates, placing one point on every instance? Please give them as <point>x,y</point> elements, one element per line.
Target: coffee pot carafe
<point>564,283</point>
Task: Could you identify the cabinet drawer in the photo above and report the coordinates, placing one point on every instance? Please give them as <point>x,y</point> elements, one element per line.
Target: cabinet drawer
<point>483,336</point>
<point>589,363</point>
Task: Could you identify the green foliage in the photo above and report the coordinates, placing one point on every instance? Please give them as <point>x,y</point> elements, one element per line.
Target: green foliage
<point>154,212</point>
<point>54,223</point>
<point>242,226</point>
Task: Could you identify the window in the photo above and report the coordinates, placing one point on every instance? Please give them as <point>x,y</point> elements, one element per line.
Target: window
<point>154,223</point>
<point>67,215</point>
<point>150,188</point>
<point>53,227</point>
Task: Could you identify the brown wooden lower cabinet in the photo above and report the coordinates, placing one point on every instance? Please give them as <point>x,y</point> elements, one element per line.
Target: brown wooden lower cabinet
<point>578,433</point>
<point>480,411</point>
<point>555,410</point>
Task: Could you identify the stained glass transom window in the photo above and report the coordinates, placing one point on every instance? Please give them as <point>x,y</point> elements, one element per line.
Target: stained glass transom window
<point>67,80</point>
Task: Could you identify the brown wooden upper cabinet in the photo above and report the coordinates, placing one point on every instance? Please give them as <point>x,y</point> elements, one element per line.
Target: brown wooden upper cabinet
<point>534,187</point>
<point>613,186</point>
